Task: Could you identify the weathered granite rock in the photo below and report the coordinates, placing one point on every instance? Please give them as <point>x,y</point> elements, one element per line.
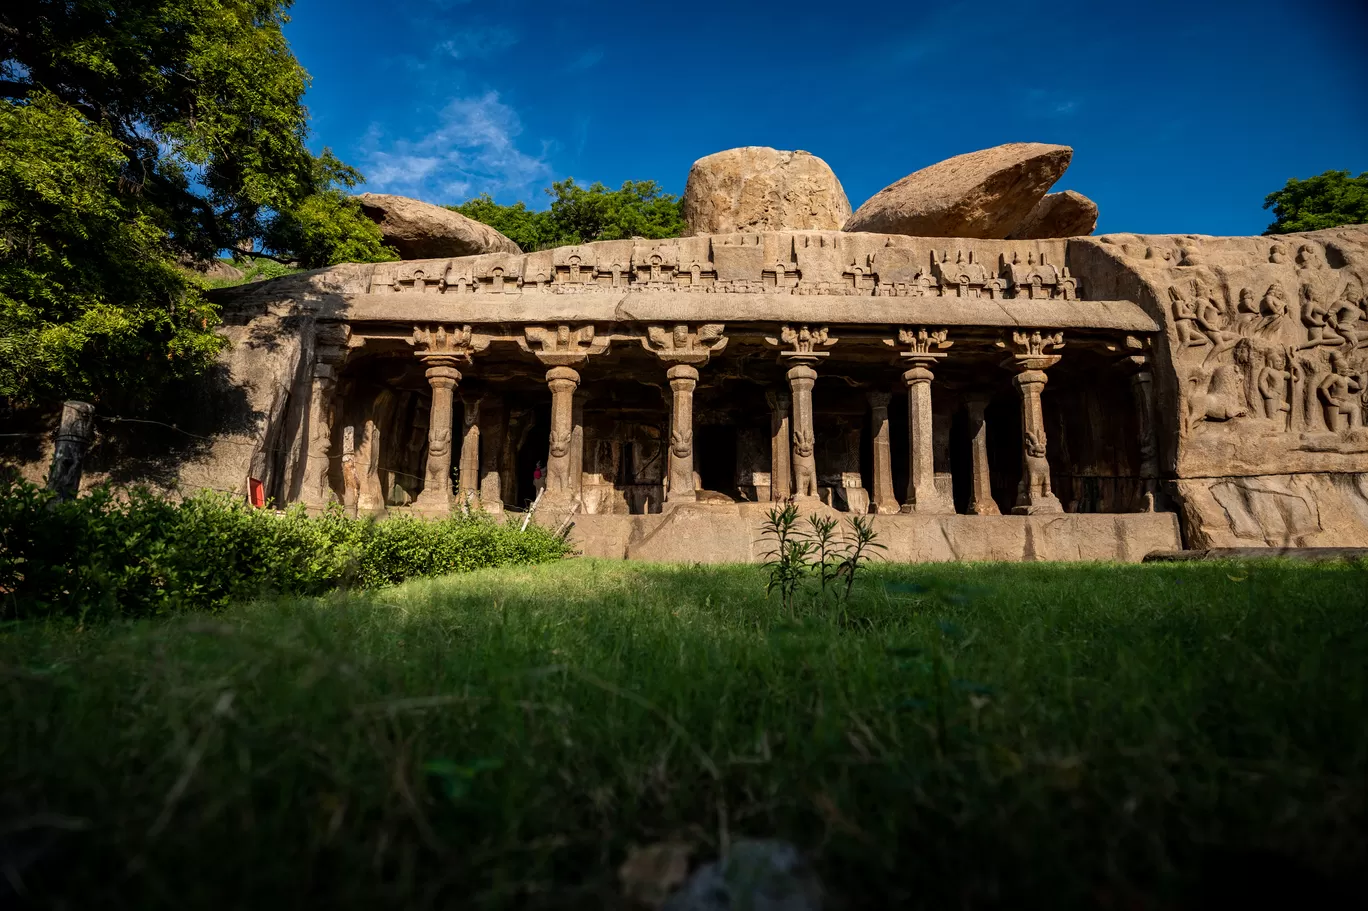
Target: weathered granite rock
<point>984,194</point>
<point>756,188</point>
<point>420,230</point>
<point>1066,214</point>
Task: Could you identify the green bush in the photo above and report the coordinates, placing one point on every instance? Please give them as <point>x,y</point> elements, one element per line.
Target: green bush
<point>137,554</point>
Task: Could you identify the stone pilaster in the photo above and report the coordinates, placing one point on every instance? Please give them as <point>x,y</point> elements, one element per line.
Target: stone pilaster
<point>781,473</point>
<point>1142,391</point>
<point>493,429</point>
<point>981,493</point>
<point>885,501</point>
<point>316,492</point>
<point>680,481</point>
<point>469,473</point>
<point>1031,359</point>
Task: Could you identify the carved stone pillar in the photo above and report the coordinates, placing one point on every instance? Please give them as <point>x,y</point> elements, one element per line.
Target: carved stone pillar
<point>981,494</point>
<point>493,421</point>
<point>685,350</point>
<point>924,350</point>
<point>1034,495</point>
<point>801,380</point>
<point>885,501</point>
<point>781,472</point>
<point>316,492</point>
<point>351,482</point>
<point>680,481</point>
<point>1142,390</point>
<point>436,496</point>
<point>470,447</point>
<point>442,349</point>
<point>803,354</point>
<point>563,382</point>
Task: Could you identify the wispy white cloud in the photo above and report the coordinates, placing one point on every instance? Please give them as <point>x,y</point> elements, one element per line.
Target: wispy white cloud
<point>471,149</point>
<point>587,60</point>
<point>1049,103</point>
<point>477,42</point>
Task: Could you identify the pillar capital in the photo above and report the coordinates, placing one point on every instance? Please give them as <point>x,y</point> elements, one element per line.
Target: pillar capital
<point>1030,376</point>
<point>924,346</point>
<point>682,376</point>
<point>678,344</point>
<point>878,399</point>
<point>565,379</point>
<point>918,375</point>
<point>447,346</point>
<point>562,345</point>
<point>804,343</point>
<point>1032,350</point>
<point>443,375</point>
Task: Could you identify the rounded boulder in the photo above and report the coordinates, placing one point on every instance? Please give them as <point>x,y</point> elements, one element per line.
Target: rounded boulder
<point>420,230</point>
<point>756,188</point>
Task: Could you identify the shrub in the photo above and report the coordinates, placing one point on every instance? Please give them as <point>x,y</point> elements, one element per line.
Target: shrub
<point>138,554</point>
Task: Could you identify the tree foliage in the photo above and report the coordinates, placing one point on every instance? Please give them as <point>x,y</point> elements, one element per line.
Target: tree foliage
<point>137,135</point>
<point>582,214</point>
<point>1325,201</point>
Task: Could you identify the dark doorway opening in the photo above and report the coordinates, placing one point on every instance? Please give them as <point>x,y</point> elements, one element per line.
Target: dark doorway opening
<point>961,461</point>
<point>534,450</point>
<point>1003,417</point>
<point>715,458</point>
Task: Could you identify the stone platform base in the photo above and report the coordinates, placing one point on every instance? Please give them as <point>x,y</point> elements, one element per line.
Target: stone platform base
<point>732,533</point>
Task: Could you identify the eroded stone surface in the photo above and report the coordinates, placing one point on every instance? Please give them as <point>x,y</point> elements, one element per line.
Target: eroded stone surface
<point>1066,214</point>
<point>757,188</point>
<point>420,230</point>
<point>984,194</point>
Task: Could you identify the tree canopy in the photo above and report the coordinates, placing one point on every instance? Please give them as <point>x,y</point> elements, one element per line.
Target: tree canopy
<point>1325,201</point>
<point>582,214</point>
<point>137,136</point>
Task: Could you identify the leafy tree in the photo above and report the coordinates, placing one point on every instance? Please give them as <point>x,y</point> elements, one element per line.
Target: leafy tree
<point>137,135</point>
<point>1325,201</point>
<point>583,214</point>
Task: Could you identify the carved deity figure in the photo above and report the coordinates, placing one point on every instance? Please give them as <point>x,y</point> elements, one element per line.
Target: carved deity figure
<point>1277,254</point>
<point>1274,303</point>
<point>1339,395</point>
<point>1280,369</point>
<point>1185,321</point>
<point>1316,317</point>
<point>1308,257</point>
<point>1036,480</point>
<point>1210,316</point>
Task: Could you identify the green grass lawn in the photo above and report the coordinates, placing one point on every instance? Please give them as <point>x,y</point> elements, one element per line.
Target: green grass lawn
<point>1156,736</point>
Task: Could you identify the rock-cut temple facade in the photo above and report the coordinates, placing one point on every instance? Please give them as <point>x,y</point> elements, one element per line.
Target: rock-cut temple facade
<point>1081,398</point>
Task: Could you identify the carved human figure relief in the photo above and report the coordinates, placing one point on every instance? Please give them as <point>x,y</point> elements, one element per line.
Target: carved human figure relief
<point>1185,321</point>
<point>1339,394</point>
<point>1273,385</point>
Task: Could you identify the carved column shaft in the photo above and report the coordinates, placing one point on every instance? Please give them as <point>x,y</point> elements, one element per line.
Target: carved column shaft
<point>1034,495</point>
<point>1142,388</point>
<point>981,495</point>
<point>493,421</point>
<point>781,474</point>
<point>316,491</point>
<point>885,501</point>
<point>436,495</point>
<point>563,382</point>
<point>683,379</point>
<point>801,379</point>
<point>921,463</point>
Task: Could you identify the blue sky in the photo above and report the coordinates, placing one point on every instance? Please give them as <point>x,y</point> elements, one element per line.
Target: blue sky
<point>1182,115</point>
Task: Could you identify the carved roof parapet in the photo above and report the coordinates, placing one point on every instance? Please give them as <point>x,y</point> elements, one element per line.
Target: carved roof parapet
<point>924,346</point>
<point>562,345</point>
<point>447,345</point>
<point>804,342</point>
<point>679,345</point>
<point>1037,279</point>
<point>1032,349</point>
<point>966,277</point>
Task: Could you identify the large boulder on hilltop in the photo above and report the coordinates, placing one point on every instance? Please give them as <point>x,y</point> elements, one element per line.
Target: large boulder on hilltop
<point>420,230</point>
<point>756,188</point>
<point>1066,214</point>
<point>982,194</point>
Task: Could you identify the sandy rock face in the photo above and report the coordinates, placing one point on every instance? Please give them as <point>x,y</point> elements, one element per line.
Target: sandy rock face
<point>1066,214</point>
<point>420,230</point>
<point>756,188</point>
<point>982,194</point>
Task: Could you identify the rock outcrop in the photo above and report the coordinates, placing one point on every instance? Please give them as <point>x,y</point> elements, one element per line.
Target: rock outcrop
<point>984,194</point>
<point>762,189</point>
<point>1066,214</point>
<point>420,230</point>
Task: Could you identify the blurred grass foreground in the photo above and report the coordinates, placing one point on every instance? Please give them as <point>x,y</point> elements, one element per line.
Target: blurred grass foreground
<point>952,736</point>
